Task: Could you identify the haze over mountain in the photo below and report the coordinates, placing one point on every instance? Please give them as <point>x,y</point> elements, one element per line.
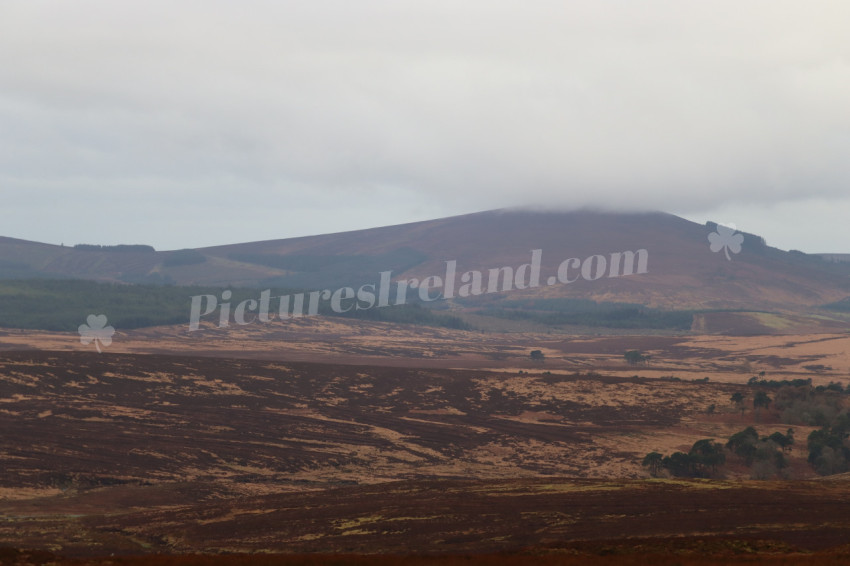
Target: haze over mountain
<point>682,270</point>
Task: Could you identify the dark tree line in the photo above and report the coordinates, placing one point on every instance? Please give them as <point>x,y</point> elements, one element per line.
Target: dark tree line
<point>705,459</point>
<point>702,461</point>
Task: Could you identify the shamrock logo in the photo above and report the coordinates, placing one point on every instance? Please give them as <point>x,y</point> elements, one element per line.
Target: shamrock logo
<point>96,330</point>
<point>726,239</point>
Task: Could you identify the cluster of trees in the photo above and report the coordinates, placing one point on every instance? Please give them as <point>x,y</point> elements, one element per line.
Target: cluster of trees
<point>702,461</point>
<point>760,381</point>
<point>62,305</point>
<point>796,402</point>
<point>764,455</point>
<point>828,450</point>
<point>824,407</point>
<point>800,403</point>
<point>636,357</point>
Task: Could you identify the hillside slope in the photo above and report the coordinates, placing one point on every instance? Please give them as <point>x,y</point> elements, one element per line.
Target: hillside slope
<point>682,271</point>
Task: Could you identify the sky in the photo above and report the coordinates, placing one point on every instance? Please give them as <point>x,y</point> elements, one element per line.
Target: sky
<point>194,123</point>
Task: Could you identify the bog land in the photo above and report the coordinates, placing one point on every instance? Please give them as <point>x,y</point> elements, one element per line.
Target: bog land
<point>341,436</point>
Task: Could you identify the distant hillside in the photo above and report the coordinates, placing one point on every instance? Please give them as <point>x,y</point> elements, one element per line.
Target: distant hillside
<point>682,272</point>
<point>836,258</point>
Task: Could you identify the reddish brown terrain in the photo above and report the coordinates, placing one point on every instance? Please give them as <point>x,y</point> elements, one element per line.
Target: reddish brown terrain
<point>688,356</point>
<point>328,440</point>
<point>242,442</point>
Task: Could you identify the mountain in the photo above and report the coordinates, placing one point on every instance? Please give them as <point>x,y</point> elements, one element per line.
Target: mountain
<point>681,270</point>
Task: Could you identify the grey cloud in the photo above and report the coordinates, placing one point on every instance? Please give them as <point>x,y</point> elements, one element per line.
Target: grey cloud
<point>669,105</point>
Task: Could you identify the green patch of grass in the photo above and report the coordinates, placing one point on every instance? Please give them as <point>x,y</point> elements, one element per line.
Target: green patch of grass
<point>62,305</point>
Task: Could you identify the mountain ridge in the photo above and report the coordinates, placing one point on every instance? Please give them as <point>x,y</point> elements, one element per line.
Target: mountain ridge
<point>683,271</point>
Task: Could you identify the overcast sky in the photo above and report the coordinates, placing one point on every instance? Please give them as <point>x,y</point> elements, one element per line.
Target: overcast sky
<point>185,124</point>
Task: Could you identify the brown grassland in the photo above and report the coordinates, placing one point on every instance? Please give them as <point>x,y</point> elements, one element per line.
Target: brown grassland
<point>344,442</point>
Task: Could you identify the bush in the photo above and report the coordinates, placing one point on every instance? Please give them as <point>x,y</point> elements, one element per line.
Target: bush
<point>828,451</point>
<point>743,444</point>
<point>635,357</point>
<point>764,455</point>
<point>703,460</point>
